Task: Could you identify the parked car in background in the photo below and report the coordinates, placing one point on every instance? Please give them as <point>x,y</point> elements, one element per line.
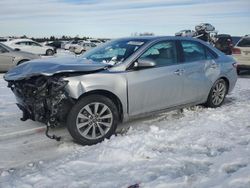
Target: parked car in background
<point>207,27</point>
<point>224,43</point>
<point>10,58</point>
<point>5,39</point>
<point>28,45</point>
<point>241,52</point>
<point>235,39</point>
<point>121,80</point>
<point>185,33</point>
<point>83,47</point>
<point>72,43</point>
<point>63,43</point>
<point>57,44</point>
<point>95,41</point>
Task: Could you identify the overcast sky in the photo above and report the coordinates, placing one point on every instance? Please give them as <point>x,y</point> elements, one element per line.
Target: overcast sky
<point>119,18</point>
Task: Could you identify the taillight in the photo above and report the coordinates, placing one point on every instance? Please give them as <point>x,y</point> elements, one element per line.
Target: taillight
<point>236,51</point>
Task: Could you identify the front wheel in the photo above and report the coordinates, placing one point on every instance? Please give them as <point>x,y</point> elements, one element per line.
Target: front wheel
<point>217,94</point>
<point>92,119</point>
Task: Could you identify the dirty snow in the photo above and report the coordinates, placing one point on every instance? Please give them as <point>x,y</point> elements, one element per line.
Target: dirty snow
<point>199,147</point>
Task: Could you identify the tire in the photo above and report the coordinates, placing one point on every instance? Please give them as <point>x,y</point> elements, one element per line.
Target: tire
<point>92,119</point>
<point>49,52</point>
<point>217,94</point>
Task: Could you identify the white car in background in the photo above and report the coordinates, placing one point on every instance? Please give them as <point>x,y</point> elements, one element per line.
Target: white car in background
<point>5,39</point>
<point>71,44</point>
<point>28,45</point>
<point>185,33</point>
<point>241,53</point>
<point>95,41</point>
<point>83,47</point>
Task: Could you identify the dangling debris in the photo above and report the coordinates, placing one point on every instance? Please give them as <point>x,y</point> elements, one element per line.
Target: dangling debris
<point>57,138</point>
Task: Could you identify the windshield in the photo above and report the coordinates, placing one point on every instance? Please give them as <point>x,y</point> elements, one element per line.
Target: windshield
<point>115,51</point>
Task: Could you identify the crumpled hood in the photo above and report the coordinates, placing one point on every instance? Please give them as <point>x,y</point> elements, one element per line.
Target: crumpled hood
<point>51,66</point>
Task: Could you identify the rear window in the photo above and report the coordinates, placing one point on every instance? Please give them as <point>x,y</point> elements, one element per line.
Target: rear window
<point>22,43</point>
<point>193,51</point>
<point>245,42</point>
<point>210,54</point>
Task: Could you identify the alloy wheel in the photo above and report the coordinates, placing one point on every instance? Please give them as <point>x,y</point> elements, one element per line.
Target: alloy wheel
<point>94,120</point>
<point>218,93</point>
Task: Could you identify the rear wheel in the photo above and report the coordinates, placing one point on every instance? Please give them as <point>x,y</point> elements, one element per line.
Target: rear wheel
<point>217,94</point>
<point>49,52</point>
<point>92,119</point>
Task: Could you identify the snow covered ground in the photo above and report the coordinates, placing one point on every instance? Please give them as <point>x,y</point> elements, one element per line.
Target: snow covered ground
<point>197,148</point>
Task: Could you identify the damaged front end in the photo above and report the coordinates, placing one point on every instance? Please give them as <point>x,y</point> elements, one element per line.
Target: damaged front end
<point>42,99</point>
<point>39,87</point>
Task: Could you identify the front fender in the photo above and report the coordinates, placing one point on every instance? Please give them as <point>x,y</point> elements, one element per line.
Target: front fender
<point>111,82</point>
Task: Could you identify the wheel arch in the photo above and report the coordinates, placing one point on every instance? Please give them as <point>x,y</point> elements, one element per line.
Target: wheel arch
<point>22,61</point>
<point>109,95</point>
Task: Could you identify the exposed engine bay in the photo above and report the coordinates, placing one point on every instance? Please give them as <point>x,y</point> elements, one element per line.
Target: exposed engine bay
<point>42,99</point>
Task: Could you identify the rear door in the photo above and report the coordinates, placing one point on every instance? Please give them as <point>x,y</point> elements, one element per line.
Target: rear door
<point>197,71</point>
<point>36,48</point>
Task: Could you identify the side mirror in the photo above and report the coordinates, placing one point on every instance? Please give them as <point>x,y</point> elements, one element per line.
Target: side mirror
<point>144,63</point>
<point>17,49</point>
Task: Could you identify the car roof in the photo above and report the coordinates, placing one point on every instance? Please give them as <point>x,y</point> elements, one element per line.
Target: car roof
<point>155,38</point>
<point>19,40</point>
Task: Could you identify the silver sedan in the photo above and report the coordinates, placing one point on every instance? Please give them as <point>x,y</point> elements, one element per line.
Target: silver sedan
<point>10,57</point>
<point>119,81</point>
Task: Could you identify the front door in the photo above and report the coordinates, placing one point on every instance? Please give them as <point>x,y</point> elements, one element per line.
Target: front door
<point>158,87</point>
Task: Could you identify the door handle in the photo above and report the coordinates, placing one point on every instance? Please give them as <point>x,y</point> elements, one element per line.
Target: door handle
<point>179,72</point>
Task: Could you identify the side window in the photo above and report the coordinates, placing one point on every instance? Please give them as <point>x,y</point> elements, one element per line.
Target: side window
<point>34,44</point>
<point>210,55</point>
<point>21,43</point>
<point>193,51</point>
<point>163,53</point>
<point>244,42</point>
